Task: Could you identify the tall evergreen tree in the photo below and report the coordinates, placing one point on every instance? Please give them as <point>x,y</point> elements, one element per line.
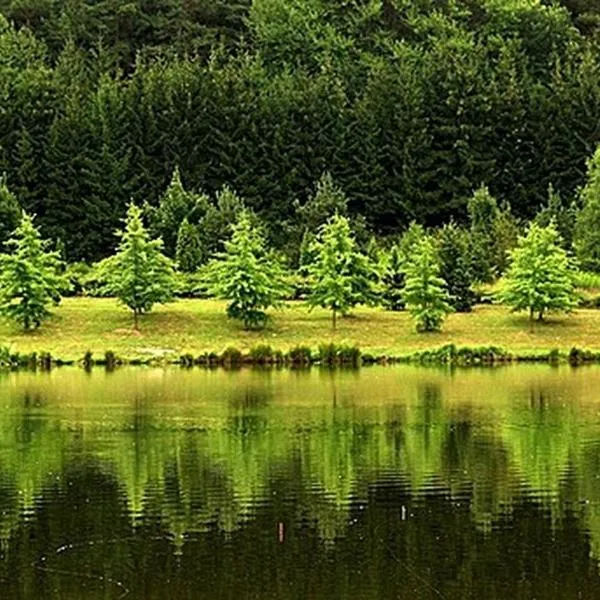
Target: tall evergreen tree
<point>483,212</point>
<point>393,279</point>
<point>562,214</point>
<point>587,224</point>
<point>425,292</point>
<point>10,211</point>
<point>341,275</point>
<point>541,276</point>
<point>176,205</point>
<point>188,253</point>
<point>30,279</point>
<point>456,266</point>
<point>139,274</point>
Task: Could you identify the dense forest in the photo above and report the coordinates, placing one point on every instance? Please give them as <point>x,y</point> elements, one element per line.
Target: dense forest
<point>409,105</point>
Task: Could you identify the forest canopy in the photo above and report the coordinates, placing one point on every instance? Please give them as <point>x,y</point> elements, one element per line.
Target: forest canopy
<point>410,106</point>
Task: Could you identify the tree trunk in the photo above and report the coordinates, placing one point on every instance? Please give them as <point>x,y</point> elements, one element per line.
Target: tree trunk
<point>541,315</point>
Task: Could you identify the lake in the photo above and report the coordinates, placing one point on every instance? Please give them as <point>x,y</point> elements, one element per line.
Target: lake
<point>380,483</point>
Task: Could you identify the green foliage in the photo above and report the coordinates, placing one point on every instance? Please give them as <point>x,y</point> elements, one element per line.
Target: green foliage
<point>176,206</point>
<point>456,266</point>
<point>424,291</point>
<point>188,251</point>
<point>300,355</point>
<point>562,215</point>
<point>139,274</point>
<point>252,279</point>
<point>341,276</point>
<point>10,211</point>
<point>483,213</point>
<point>29,276</point>
<point>393,279</point>
<point>541,276</point>
<point>587,224</point>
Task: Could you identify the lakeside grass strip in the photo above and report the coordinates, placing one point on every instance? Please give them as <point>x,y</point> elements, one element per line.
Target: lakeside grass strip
<point>329,355</point>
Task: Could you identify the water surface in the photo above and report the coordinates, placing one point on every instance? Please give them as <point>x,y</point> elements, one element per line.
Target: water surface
<point>380,483</point>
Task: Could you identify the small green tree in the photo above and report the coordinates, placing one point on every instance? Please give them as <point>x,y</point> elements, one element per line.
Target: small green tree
<point>456,266</point>
<point>175,205</point>
<point>393,279</point>
<point>563,215</point>
<point>425,292</point>
<point>341,276</point>
<point>188,252</point>
<point>10,211</point>
<point>139,274</point>
<point>541,275</point>
<point>587,224</point>
<point>29,276</point>
<point>505,233</point>
<point>251,278</point>
<point>483,212</point>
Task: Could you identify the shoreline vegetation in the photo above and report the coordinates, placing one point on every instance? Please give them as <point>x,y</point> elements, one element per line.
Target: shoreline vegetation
<point>192,332</point>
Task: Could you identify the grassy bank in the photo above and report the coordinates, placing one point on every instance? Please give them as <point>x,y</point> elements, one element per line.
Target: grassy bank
<point>196,326</point>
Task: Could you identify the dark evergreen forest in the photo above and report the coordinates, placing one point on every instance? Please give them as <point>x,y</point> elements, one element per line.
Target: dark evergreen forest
<point>410,105</point>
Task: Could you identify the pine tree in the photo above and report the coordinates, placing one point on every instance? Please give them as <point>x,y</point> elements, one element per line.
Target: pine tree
<point>563,215</point>
<point>139,274</point>
<point>176,205</point>
<point>251,278</point>
<point>341,276</point>
<point>29,281</point>
<point>10,211</point>
<point>455,266</point>
<point>393,279</point>
<point>425,292</point>
<point>587,225</point>
<point>188,252</point>
<point>541,275</point>
<point>505,233</point>
<point>483,212</point>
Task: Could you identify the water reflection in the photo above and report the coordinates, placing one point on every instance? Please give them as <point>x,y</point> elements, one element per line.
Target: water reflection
<point>383,483</point>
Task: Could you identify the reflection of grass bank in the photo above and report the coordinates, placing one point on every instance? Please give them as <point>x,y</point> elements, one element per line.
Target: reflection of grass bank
<point>198,326</point>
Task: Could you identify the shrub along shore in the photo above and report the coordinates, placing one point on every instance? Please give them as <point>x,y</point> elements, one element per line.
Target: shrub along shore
<point>92,331</point>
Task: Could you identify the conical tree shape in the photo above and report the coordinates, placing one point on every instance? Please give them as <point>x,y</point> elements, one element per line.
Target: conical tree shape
<point>139,274</point>
<point>30,280</point>
<point>541,275</point>
<point>425,292</point>
<point>247,275</point>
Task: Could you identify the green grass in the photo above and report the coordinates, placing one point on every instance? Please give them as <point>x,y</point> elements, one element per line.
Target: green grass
<point>196,326</point>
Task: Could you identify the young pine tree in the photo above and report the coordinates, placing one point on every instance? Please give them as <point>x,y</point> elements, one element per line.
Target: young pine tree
<point>10,211</point>
<point>139,274</point>
<point>455,266</point>
<point>29,276</point>
<point>175,205</point>
<point>341,276</point>
<point>563,215</point>
<point>483,212</point>
<point>587,224</point>
<point>425,292</point>
<point>247,275</point>
<point>541,276</point>
<point>188,251</point>
<point>393,279</point>
<point>393,274</point>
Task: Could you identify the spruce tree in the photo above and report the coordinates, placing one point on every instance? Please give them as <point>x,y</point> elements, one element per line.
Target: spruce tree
<point>455,266</point>
<point>563,215</point>
<point>176,205</point>
<point>393,279</point>
<point>425,292</point>
<point>10,211</point>
<point>30,279</point>
<point>247,275</point>
<point>188,252</point>
<point>587,224</point>
<point>483,212</point>
<point>541,275</point>
<point>139,274</point>
<point>341,276</point>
